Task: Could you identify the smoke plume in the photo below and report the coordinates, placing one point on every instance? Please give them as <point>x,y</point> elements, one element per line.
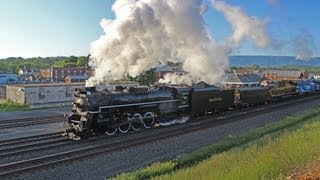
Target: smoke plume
<point>145,33</point>
<point>244,26</point>
<point>303,45</point>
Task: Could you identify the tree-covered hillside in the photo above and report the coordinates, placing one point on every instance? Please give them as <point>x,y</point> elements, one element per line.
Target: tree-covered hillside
<point>13,64</point>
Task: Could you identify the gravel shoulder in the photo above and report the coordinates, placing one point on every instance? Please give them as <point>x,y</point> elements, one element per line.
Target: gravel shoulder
<point>108,165</point>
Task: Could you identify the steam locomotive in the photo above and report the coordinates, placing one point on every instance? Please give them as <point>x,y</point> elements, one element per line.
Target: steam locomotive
<point>104,112</point>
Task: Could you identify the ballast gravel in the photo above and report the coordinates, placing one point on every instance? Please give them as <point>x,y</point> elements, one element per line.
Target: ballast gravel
<point>111,164</point>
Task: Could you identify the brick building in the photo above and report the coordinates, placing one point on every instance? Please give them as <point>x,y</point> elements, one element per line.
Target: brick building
<point>73,79</point>
<point>59,74</point>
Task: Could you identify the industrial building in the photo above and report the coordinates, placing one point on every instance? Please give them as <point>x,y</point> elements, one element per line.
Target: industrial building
<point>49,95</point>
<point>42,95</point>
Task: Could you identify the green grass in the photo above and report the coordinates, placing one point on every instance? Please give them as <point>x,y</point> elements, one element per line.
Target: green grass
<point>272,160</point>
<point>245,145</point>
<point>12,106</point>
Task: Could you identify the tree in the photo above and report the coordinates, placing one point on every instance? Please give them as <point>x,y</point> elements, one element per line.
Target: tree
<point>71,59</point>
<point>82,61</point>
<point>255,67</point>
<point>60,63</point>
<point>147,78</point>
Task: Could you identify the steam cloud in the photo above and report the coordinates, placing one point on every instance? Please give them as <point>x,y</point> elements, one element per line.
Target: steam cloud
<point>148,32</point>
<point>244,26</point>
<point>303,44</point>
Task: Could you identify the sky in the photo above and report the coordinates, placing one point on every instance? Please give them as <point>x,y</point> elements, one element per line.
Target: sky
<point>32,28</point>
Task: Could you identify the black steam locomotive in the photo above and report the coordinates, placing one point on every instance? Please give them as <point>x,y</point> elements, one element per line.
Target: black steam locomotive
<point>96,112</point>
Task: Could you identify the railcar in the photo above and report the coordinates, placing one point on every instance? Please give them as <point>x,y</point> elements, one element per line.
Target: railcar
<point>210,99</point>
<point>247,96</point>
<point>283,90</point>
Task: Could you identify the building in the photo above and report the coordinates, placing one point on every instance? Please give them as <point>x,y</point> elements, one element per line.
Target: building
<point>280,75</point>
<point>73,79</point>
<point>3,93</point>
<point>59,74</point>
<point>51,94</point>
<point>244,71</point>
<point>164,69</point>
<point>8,78</point>
<point>241,80</point>
<point>42,95</point>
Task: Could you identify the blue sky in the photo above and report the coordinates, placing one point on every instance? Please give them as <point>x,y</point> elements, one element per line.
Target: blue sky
<point>67,27</point>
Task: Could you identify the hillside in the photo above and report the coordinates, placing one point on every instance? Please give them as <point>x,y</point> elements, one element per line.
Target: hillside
<point>274,61</point>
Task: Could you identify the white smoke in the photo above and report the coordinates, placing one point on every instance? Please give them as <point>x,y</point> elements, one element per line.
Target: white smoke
<point>171,78</point>
<point>303,45</point>
<point>244,26</point>
<point>146,32</point>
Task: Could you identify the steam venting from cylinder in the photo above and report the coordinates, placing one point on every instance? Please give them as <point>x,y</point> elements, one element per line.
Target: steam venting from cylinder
<point>145,33</point>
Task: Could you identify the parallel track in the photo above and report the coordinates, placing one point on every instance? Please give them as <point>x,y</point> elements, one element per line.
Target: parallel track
<point>139,138</point>
<point>28,139</point>
<point>30,121</point>
<point>27,145</point>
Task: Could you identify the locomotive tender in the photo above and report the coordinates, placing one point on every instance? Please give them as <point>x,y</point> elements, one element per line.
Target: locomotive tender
<point>105,112</point>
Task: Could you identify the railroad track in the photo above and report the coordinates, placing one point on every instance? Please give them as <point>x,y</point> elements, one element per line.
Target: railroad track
<point>150,135</point>
<point>30,121</point>
<point>31,144</point>
<point>27,139</point>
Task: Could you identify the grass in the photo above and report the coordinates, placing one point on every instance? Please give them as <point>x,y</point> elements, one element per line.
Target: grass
<point>250,155</point>
<point>12,106</point>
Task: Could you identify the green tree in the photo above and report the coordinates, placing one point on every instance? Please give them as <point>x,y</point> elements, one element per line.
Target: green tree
<point>60,63</point>
<point>147,78</point>
<point>82,61</point>
<point>71,61</point>
<point>255,67</point>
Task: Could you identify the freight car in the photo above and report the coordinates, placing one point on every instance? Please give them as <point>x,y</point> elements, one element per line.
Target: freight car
<point>283,90</point>
<point>96,112</point>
